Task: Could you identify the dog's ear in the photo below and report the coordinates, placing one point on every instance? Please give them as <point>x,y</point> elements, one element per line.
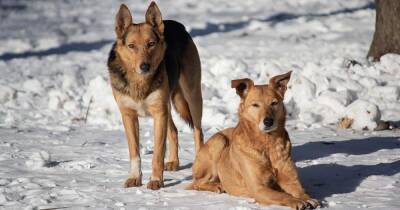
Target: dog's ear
<point>123,20</point>
<point>279,82</point>
<point>242,86</point>
<point>153,17</point>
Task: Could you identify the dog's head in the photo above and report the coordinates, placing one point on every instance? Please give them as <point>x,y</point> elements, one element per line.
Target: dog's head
<point>262,105</point>
<point>140,46</point>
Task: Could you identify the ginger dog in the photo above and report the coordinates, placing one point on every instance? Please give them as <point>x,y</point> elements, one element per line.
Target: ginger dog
<point>253,159</point>
<point>152,64</point>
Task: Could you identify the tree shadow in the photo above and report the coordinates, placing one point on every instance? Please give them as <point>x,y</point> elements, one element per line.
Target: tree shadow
<point>63,49</point>
<point>274,19</point>
<point>12,6</point>
<point>315,150</point>
<point>325,180</point>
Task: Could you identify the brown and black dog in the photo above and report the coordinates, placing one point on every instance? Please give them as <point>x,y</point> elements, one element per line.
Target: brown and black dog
<point>253,159</point>
<point>152,64</point>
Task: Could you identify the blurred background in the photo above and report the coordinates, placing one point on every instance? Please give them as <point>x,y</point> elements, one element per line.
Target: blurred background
<point>61,139</point>
<point>53,55</point>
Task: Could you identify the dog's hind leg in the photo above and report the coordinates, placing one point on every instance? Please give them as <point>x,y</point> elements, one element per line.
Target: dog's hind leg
<point>196,110</point>
<point>190,83</point>
<point>188,102</point>
<point>195,103</point>
<point>172,135</point>
<point>208,186</point>
<point>205,173</point>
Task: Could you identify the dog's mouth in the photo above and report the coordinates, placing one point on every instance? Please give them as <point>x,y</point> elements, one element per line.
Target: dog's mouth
<point>143,72</point>
<point>270,129</point>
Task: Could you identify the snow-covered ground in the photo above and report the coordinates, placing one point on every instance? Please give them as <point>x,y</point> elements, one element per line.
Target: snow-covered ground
<point>52,64</point>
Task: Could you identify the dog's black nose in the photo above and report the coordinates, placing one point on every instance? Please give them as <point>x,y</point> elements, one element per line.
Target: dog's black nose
<point>268,122</point>
<point>145,67</point>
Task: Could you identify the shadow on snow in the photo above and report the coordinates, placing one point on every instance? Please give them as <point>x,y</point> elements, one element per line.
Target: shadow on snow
<point>324,180</point>
<point>274,19</point>
<point>63,49</point>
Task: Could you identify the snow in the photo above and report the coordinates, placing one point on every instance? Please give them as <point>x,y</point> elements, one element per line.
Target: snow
<point>38,160</point>
<point>365,114</point>
<point>87,168</point>
<point>61,138</point>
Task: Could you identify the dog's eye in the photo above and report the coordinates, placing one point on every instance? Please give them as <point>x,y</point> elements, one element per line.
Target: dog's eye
<point>131,46</point>
<point>255,105</point>
<point>274,102</point>
<point>151,44</point>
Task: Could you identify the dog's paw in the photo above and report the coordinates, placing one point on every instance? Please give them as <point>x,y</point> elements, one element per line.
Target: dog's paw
<point>155,184</point>
<point>133,182</point>
<point>219,189</point>
<point>298,204</point>
<point>313,203</point>
<point>171,166</point>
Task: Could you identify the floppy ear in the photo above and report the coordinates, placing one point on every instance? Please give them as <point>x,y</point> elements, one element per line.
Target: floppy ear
<point>123,20</point>
<point>153,17</point>
<point>279,82</point>
<point>242,86</point>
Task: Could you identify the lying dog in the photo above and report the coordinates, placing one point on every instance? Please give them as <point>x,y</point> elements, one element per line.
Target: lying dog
<point>253,159</point>
<point>152,64</point>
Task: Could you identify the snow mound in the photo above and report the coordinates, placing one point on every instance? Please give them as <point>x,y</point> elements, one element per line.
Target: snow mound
<point>6,94</point>
<point>99,97</point>
<point>365,115</point>
<point>38,160</point>
<point>33,85</point>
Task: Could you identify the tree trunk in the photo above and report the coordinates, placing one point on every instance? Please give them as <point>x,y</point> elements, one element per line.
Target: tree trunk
<point>387,29</point>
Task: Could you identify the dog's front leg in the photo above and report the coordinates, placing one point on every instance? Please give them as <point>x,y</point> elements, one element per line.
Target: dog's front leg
<point>160,117</point>
<point>131,124</point>
<point>257,179</point>
<point>289,181</point>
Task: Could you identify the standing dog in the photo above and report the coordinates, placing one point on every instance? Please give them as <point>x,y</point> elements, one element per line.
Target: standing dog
<point>152,64</point>
<point>253,159</point>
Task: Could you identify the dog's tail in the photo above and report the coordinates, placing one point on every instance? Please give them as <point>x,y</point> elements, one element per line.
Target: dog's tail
<point>182,106</point>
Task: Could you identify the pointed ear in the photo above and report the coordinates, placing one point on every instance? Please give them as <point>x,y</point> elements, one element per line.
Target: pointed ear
<point>242,86</point>
<point>153,17</point>
<point>279,82</point>
<point>123,20</point>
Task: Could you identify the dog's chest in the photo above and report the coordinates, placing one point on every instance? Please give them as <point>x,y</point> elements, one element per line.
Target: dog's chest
<point>141,106</point>
<point>279,150</point>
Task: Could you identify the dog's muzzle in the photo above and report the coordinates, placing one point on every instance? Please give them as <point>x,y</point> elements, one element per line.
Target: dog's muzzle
<point>144,68</point>
<point>267,125</point>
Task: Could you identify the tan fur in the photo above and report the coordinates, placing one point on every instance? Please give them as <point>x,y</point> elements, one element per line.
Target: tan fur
<point>345,122</point>
<point>140,92</point>
<point>251,160</point>
<point>182,107</point>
